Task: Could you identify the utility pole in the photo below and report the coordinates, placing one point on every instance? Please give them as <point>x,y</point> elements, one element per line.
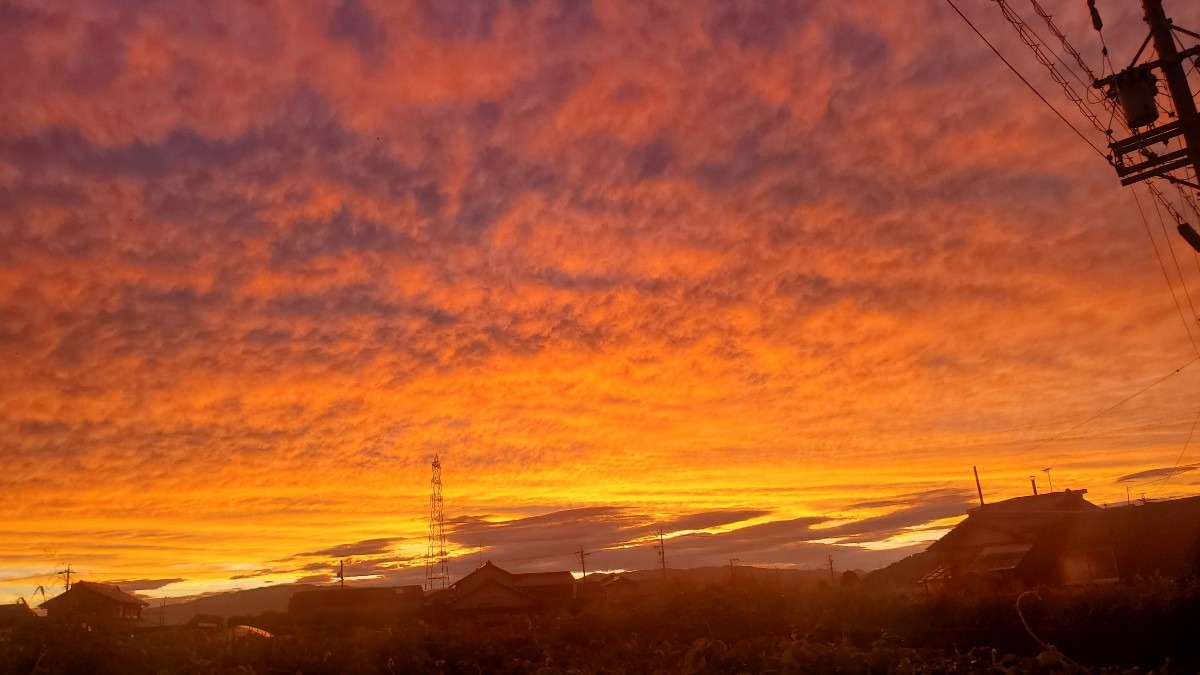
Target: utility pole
<point>832,579</point>
<point>1135,89</point>
<point>662,554</point>
<point>67,573</point>
<point>583,566</point>
<point>342,574</point>
<point>732,565</point>
<point>1171,63</point>
<point>978,487</point>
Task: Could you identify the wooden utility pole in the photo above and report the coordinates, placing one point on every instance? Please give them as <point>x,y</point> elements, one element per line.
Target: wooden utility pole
<point>583,565</point>
<point>1171,63</point>
<point>1134,89</point>
<point>662,554</point>
<point>66,575</point>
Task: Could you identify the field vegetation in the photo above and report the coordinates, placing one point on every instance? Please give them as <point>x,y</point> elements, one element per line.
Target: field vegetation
<point>743,627</point>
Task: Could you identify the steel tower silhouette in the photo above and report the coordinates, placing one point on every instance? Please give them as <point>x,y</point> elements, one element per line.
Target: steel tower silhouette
<point>436,569</point>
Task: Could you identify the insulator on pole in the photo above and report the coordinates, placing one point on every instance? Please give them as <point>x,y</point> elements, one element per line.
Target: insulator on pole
<point>1190,235</point>
<point>1096,22</point>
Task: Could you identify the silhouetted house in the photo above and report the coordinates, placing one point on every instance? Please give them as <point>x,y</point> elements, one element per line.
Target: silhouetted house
<point>609,587</point>
<point>12,616</point>
<point>372,605</point>
<point>1058,538</point>
<point>96,603</point>
<point>490,589</point>
<point>1128,542</point>
<point>997,543</point>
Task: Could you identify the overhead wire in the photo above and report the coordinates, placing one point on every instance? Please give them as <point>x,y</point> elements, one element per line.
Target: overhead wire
<point>1067,46</point>
<point>1166,276</point>
<point>1109,409</point>
<point>1179,459</point>
<point>1032,40</point>
<point>1027,83</point>
<point>1178,270</point>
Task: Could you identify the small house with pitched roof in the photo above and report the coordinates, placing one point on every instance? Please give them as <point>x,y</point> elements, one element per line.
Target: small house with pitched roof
<point>490,589</point>
<point>95,602</point>
<point>373,604</point>
<point>1059,538</point>
<point>12,616</point>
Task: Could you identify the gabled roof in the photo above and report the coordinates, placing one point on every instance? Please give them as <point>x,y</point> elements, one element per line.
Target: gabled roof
<point>15,611</point>
<point>543,579</point>
<point>508,596</point>
<point>489,570</point>
<point>1015,520</point>
<point>106,591</point>
<point>612,579</point>
<point>1048,502</point>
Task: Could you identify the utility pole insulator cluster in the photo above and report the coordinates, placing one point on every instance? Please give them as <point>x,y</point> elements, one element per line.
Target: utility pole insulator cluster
<point>1136,90</point>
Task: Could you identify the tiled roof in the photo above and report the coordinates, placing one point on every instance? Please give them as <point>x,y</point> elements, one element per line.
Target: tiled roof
<point>543,579</point>
<point>108,591</point>
<point>18,610</point>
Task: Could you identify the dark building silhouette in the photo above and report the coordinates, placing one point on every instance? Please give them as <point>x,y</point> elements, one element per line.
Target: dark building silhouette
<point>94,602</point>
<point>492,590</point>
<point>1058,538</point>
<point>605,587</point>
<point>371,605</point>
<point>12,616</point>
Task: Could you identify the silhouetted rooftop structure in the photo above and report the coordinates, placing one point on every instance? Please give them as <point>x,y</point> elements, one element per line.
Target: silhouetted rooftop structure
<point>492,589</point>
<point>89,600</point>
<point>15,613</point>
<point>370,604</point>
<point>1060,538</point>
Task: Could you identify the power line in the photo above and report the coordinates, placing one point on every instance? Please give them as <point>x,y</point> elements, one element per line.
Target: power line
<point>1166,277</point>
<point>1035,43</point>
<point>1178,459</point>
<point>1109,409</point>
<point>1178,270</point>
<point>1027,83</point>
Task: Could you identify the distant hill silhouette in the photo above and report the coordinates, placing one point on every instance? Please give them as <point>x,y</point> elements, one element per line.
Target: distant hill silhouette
<point>234,603</point>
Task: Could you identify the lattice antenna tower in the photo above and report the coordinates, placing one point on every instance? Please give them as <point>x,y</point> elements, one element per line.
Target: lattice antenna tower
<point>436,569</point>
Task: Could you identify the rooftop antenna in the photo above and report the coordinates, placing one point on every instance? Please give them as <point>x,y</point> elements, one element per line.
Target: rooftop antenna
<point>1047,472</point>
<point>436,568</point>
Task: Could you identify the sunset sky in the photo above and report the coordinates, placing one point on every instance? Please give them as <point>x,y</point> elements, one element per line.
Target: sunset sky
<point>769,275</point>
